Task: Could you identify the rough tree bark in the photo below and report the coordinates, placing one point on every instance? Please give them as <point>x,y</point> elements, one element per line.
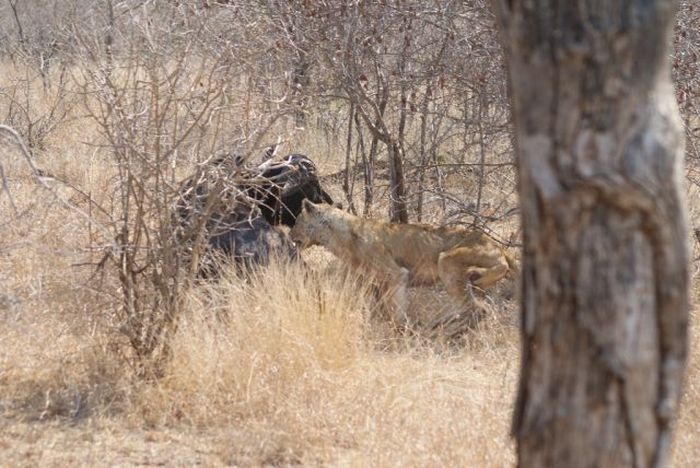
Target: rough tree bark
<point>605,276</point>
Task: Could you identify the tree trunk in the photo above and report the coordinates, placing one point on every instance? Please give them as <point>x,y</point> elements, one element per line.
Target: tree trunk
<point>367,167</point>
<point>349,167</point>
<point>301,80</point>
<point>425,106</point>
<point>398,209</point>
<point>605,260</point>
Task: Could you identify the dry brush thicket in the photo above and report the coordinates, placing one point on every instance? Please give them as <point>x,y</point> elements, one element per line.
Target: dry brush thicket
<point>111,350</point>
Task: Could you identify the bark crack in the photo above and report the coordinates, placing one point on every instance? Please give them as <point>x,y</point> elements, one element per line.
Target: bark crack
<point>630,429</point>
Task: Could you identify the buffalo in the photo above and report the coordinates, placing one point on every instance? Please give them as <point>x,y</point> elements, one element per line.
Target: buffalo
<point>235,211</point>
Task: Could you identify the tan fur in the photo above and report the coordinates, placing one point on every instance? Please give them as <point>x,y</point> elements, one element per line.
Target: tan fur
<point>401,254</point>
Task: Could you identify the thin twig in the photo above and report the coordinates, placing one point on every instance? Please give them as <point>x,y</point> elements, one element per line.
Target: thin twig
<point>37,173</point>
<point>6,188</point>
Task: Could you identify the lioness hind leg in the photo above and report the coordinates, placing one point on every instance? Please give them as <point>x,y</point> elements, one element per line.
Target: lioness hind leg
<point>464,270</point>
<point>482,267</point>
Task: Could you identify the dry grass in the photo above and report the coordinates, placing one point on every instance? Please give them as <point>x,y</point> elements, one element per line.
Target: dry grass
<point>286,367</point>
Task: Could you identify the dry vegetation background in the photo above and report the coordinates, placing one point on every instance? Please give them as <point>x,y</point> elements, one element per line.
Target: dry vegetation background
<point>117,101</point>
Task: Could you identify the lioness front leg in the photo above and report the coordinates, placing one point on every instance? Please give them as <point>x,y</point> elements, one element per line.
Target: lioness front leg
<point>395,286</point>
<point>393,282</point>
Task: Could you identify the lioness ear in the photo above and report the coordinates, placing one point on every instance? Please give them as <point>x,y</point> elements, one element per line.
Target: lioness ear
<point>309,207</point>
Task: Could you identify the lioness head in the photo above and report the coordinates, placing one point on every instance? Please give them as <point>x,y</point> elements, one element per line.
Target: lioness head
<point>311,226</point>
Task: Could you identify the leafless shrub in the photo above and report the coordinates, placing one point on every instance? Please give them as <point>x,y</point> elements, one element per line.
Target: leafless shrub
<point>686,72</point>
<point>418,89</point>
<point>161,100</point>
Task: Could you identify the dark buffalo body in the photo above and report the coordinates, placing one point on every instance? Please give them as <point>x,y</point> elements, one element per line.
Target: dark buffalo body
<point>245,237</point>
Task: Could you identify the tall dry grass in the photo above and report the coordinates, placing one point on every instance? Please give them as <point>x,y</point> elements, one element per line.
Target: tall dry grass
<point>285,366</point>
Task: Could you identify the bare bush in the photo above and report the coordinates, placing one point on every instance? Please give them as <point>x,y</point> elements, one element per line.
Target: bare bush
<point>161,101</point>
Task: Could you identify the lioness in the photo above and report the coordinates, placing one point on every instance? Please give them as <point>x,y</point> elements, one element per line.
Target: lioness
<point>401,254</point>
